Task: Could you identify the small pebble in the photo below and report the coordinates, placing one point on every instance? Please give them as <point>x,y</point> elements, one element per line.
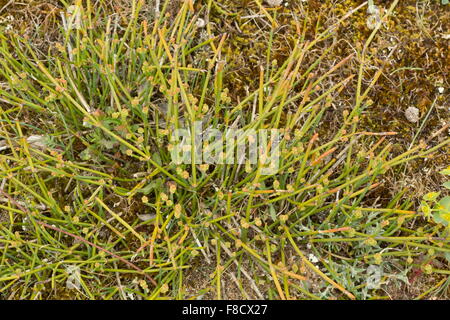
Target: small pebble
<point>274,3</point>
<point>200,23</point>
<point>412,114</point>
<point>373,10</point>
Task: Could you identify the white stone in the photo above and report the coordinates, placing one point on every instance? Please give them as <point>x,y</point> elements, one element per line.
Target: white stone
<point>146,216</point>
<point>313,258</point>
<point>73,281</point>
<point>274,3</point>
<point>412,114</point>
<point>200,23</point>
<point>37,141</point>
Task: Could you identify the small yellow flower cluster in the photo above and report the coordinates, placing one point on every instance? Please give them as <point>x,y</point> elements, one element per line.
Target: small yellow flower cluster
<point>183,173</point>
<point>378,259</point>
<point>172,188</point>
<point>177,211</point>
<point>244,224</point>
<point>165,198</point>
<point>371,242</point>
<point>224,97</point>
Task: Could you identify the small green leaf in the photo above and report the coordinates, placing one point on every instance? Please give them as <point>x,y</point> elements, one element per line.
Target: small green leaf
<point>425,208</point>
<point>438,218</point>
<point>445,204</point>
<point>431,196</point>
<point>445,1</point>
<point>447,185</point>
<point>85,154</point>
<point>273,213</point>
<point>157,158</point>
<point>447,256</point>
<point>446,171</point>
<point>108,144</point>
<point>155,184</point>
<point>446,218</point>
